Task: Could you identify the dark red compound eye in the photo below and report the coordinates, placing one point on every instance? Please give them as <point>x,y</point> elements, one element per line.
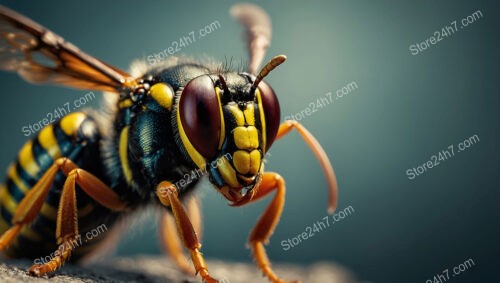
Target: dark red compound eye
<point>271,112</point>
<point>199,112</point>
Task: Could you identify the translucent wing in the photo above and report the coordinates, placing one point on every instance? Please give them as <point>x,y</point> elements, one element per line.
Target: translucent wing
<point>41,56</point>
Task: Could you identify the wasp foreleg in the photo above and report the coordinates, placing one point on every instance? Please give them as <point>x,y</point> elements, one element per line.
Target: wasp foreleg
<point>167,193</point>
<point>265,227</point>
<point>170,239</point>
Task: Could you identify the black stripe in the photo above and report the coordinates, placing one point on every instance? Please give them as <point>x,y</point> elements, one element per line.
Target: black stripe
<point>6,216</point>
<point>41,156</point>
<point>64,141</point>
<point>24,176</point>
<point>15,192</point>
<point>54,194</point>
<point>44,227</point>
<point>28,248</point>
<point>17,195</point>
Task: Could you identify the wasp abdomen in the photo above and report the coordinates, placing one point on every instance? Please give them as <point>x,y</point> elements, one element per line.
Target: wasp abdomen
<point>76,137</point>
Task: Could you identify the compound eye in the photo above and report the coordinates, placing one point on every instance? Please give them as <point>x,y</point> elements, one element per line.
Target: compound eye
<point>199,112</point>
<point>271,112</point>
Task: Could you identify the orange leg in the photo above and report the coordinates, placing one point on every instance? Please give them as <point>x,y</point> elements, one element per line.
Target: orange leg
<point>320,153</point>
<point>67,218</point>
<point>66,229</point>
<point>170,239</point>
<point>267,223</point>
<point>167,193</point>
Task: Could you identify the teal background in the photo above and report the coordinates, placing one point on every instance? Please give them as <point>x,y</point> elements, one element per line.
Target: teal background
<point>406,109</point>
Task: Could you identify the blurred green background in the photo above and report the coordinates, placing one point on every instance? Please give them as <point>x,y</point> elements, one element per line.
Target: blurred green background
<point>406,109</point>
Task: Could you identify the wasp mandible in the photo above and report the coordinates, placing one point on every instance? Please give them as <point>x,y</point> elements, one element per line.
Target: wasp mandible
<point>157,124</point>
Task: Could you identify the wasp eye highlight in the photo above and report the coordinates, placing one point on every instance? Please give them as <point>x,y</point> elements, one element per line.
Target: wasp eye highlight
<point>272,114</point>
<point>199,112</point>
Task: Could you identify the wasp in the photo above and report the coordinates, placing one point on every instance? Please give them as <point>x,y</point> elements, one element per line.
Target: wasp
<point>161,122</point>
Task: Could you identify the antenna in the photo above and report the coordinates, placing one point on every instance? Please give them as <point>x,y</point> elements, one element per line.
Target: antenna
<point>271,65</point>
<point>257,26</point>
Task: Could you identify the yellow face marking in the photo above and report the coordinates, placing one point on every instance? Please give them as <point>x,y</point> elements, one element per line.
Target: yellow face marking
<point>222,124</point>
<point>254,162</point>
<point>125,103</point>
<point>247,162</point>
<point>262,118</point>
<point>227,172</point>
<point>123,152</point>
<point>193,153</point>
<point>241,161</point>
<point>246,137</point>
<point>237,114</point>
<point>12,174</point>
<point>163,94</point>
<point>27,160</point>
<point>71,123</point>
<point>249,114</point>
<point>48,141</point>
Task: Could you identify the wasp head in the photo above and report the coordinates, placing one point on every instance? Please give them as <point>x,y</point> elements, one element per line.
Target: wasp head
<point>227,122</point>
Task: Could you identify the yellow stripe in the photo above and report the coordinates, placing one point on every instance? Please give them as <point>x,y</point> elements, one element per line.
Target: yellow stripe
<point>12,174</point>
<point>3,191</point>
<point>71,123</point>
<point>262,119</point>
<point>222,124</point>
<point>27,161</point>
<point>124,154</point>
<point>8,203</point>
<point>193,153</point>
<point>48,141</point>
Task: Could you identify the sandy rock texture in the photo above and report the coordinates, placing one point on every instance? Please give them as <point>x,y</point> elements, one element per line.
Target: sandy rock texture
<point>160,269</point>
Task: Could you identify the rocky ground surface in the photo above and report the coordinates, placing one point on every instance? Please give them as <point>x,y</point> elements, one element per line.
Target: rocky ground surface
<point>159,269</point>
